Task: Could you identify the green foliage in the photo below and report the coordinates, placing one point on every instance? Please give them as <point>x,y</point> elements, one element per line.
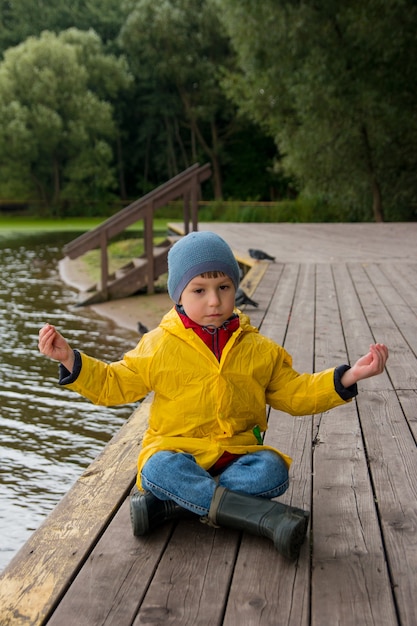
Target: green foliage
<point>56,125</point>
<point>174,49</point>
<point>281,97</point>
<point>334,84</point>
<point>303,209</point>
<point>178,51</point>
<point>24,18</point>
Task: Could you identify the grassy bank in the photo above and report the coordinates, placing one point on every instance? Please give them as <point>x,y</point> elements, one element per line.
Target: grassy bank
<point>21,224</point>
<point>121,250</point>
<point>120,253</point>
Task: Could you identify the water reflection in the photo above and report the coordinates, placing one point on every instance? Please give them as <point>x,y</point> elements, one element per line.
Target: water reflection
<point>47,434</point>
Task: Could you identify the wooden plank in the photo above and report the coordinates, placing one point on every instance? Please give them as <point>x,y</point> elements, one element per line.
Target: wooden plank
<point>392,462</point>
<point>259,288</point>
<point>251,280</point>
<point>113,582</point>
<point>192,580</point>
<point>264,583</point>
<point>299,339</point>
<point>293,434</point>
<point>401,364</point>
<point>263,296</point>
<point>400,301</point>
<point>45,566</point>
<point>408,402</point>
<point>403,276</point>
<point>243,259</point>
<point>267,589</point>
<point>293,326</point>
<point>391,449</point>
<point>350,581</point>
<point>278,315</point>
<point>356,325</point>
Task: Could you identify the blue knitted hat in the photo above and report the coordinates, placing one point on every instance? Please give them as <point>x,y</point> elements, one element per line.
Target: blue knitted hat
<point>196,253</point>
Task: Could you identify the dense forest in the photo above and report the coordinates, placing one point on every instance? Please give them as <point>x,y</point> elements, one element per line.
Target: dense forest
<point>102,100</point>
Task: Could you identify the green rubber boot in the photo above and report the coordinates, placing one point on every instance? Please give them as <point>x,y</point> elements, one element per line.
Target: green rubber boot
<point>286,526</point>
<point>147,512</point>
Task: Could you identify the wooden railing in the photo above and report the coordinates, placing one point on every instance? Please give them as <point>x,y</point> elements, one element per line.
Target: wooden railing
<point>185,185</point>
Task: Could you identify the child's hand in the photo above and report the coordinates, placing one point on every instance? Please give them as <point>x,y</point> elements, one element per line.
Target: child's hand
<point>55,346</point>
<point>369,365</point>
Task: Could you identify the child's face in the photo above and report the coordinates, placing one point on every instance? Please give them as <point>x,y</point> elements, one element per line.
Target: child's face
<point>209,301</point>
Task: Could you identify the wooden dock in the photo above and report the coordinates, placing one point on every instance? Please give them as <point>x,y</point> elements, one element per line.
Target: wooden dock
<point>332,291</point>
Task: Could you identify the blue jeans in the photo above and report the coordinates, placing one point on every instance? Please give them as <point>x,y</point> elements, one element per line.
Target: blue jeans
<point>176,476</point>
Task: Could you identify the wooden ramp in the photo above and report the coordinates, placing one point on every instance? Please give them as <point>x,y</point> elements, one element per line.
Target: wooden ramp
<point>144,270</point>
<point>132,277</point>
<point>355,468</point>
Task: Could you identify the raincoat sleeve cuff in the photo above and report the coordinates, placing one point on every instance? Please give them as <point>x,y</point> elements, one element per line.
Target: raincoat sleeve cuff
<point>65,376</point>
<point>346,393</point>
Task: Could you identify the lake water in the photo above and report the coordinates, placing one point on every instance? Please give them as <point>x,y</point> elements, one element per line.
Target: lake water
<point>48,435</point>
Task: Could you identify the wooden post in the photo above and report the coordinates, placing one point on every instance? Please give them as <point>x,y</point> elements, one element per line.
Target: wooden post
<point>148,242</point>
<point>186,212</point>
<point>194,202</point>
<point>104,265</point>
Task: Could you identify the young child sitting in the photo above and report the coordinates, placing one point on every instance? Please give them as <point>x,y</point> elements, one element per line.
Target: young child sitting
<point>212,375</point>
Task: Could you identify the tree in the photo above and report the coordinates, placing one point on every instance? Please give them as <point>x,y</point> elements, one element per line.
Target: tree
<point>56,121</point>
<point>20,19</point>
<point>176,51</point>
<point>334,84</point>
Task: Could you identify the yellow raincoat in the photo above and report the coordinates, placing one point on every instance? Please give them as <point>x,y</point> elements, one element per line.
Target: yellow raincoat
<point>203,406</point>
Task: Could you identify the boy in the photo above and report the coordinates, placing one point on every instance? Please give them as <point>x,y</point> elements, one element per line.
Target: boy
<point>212,375</point>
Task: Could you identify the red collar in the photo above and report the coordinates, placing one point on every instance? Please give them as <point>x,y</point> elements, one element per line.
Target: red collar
<point>214,338</point>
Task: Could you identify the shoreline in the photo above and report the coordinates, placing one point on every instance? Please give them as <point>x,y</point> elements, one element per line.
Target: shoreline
<point>125,312</point>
